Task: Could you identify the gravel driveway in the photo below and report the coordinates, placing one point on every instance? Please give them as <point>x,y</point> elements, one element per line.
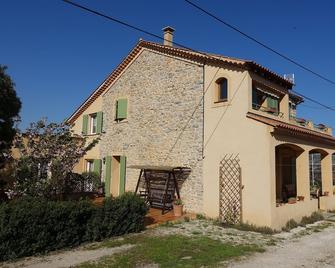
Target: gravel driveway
<point>314,250</point>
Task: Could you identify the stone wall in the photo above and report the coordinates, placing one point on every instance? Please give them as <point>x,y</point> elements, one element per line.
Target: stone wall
<point>162,94</point>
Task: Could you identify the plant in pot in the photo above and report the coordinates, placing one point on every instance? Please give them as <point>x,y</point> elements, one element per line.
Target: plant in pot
<point>300,198</point>
<point>178,207</point>
<point>292,200</point>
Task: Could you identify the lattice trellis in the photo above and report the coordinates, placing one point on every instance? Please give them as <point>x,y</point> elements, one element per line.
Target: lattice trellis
<point>230,190</point>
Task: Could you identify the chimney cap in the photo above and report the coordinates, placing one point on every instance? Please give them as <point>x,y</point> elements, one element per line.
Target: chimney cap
<point>168,29</point>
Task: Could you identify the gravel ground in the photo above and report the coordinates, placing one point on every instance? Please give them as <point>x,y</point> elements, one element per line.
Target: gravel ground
<point>65,259</point>
<point>313,250</point>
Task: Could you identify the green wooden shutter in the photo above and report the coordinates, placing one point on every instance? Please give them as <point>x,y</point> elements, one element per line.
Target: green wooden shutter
<point>108,175</point>
<point>97,166</point>
<point>121,108</point>
<point>272,103</point>
<point>122,175</point>
<point>85,124</point>
<point>99,122</point>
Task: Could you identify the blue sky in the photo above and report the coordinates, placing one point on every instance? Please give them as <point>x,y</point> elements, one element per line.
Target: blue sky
<point>57,54</point>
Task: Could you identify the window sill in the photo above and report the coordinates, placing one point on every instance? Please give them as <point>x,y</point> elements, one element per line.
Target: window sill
<point>91,135</point>
<point>120,121</point>
<point>221,104</point>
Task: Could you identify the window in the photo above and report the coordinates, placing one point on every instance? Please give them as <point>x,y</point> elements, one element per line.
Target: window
<point>222,90</point>
<point>93,165</point>
<point>272,105</point>
<point>121,109</point>
<point>89,165</point>
<point>265,101</point>
<point>93,123</point>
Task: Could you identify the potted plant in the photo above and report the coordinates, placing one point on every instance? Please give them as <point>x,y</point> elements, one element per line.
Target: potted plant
<point>178,207</point>
<point>292,200</point>
<point>301,198</point>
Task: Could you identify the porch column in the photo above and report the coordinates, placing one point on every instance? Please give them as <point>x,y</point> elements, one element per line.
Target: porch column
<point>303,175</point>
<point>327,174</point>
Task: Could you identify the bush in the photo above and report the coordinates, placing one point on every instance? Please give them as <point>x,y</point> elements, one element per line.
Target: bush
<point>29,226</point>
<point>291,224</point>
<point>316,216</point>
<point>121,215</point>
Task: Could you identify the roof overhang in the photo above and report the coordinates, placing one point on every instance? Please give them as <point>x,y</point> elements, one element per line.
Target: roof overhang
<point>287,129</point>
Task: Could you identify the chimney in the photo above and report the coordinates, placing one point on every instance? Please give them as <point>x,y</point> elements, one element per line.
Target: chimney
<point>168,36</point>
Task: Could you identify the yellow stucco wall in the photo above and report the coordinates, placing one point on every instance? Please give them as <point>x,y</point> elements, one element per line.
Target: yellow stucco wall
<point>94,153</point>
<point>227,130</point>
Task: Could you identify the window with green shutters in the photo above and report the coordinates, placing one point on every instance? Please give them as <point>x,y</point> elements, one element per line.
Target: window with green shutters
<point>92,123</point>
<point>121,109</point>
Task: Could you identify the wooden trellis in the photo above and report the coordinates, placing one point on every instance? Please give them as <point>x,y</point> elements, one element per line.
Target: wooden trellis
<point>230,190</point>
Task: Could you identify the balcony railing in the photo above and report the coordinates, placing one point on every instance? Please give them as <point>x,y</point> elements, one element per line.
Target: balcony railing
<point>309,124</point>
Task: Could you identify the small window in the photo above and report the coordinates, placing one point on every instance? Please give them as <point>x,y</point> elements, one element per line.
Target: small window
<point>93,123</point>
<point>222,90</point>
<point>89,165</point>
<point>121,109</point>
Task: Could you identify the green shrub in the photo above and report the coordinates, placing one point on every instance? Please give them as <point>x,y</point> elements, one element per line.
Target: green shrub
<point>121,215</point>
<point>291,224</point>
<point>30,226</point>
<point>316,216</point>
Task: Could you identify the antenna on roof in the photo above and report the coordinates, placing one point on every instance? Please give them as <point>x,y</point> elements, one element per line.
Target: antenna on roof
<point>289,77</point>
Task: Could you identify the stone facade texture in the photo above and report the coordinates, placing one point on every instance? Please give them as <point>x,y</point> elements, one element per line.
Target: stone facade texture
<point>162,94</point>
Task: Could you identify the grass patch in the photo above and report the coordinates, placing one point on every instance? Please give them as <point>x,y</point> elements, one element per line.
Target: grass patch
<point>175,251</point>
<point>252,228</point>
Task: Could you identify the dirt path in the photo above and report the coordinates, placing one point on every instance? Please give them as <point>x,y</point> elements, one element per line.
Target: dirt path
<point>65,259</point>
<point>315,250</point>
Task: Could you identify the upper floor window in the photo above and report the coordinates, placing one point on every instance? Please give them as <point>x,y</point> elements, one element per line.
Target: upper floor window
<point>265,101</point>
<point>92,123</point>
<point>221,90</point>
<point>121,109</point>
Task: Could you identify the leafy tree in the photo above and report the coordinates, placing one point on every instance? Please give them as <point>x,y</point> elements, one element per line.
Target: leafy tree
<point>49,152</point>
<point>10,106</point>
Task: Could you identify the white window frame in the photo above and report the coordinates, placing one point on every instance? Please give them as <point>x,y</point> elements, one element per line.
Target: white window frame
<point>93,118</point>
<point>89,165</point>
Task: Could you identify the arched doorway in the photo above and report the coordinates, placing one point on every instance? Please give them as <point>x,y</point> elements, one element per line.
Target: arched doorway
<point>286,171</point>
<point>315,171</point>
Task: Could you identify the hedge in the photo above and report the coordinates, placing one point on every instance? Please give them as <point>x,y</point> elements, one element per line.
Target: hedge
<point>31,226</point>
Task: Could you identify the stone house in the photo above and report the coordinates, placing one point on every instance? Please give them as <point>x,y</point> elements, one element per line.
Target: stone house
<point>231,121</point>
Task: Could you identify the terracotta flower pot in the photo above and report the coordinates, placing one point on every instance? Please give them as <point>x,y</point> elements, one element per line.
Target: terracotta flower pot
<point>292,200</point>
<point>301,198</point>
<point>326,193</point>
<point>178,210</point>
